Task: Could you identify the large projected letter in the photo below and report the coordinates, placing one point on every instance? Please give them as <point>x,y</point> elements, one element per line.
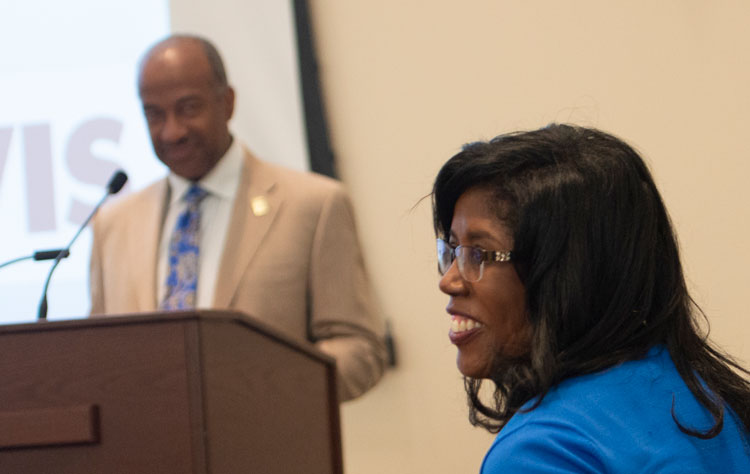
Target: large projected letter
<point>84,164</point>
<point>40,185</point>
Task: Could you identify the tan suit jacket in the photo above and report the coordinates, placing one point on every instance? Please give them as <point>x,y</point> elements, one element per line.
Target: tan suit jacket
<point>297,266</point>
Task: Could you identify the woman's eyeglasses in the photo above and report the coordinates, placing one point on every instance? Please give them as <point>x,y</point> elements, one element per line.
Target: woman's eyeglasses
<point>470,259</point>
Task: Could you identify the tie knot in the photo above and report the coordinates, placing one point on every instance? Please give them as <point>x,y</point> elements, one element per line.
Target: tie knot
<point>194,195</point>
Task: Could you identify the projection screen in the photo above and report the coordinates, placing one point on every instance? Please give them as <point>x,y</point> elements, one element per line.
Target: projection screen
<point>70,117</point>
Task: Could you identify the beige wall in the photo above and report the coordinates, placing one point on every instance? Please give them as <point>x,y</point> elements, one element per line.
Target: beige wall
<point>407,82</point>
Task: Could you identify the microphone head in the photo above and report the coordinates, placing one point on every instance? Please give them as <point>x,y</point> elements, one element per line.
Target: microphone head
<point>117,182</point>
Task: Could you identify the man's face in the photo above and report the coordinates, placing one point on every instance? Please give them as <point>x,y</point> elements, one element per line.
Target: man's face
<point>186,110</point>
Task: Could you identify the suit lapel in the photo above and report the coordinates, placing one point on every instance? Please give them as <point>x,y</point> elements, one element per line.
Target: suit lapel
<point>144,254</point>
<point>255,208</point>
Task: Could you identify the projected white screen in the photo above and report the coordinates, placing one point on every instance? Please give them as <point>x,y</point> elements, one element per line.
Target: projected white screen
<point>70,117</point>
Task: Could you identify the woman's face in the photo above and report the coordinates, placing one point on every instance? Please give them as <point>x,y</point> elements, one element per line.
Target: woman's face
<point>488,317</point>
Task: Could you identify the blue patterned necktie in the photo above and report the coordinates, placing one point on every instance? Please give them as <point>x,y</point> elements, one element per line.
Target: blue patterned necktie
<point>182,278</point>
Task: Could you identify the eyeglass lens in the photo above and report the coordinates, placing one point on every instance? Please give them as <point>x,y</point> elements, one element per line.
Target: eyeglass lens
<point>470,261</point>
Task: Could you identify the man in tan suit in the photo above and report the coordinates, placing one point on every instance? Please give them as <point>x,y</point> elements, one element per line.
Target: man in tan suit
<point>274,243</point>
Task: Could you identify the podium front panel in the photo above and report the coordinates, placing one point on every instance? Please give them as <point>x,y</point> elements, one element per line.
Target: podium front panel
<point>134,374</point>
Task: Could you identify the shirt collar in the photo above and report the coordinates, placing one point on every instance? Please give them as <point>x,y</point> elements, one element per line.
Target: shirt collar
<point>222,181</point>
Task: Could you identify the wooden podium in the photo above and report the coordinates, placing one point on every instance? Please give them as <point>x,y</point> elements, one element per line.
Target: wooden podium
<point>194,392</point>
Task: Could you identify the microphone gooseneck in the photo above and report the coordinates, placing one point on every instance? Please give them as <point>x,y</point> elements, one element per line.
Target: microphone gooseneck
<point>113,187</point>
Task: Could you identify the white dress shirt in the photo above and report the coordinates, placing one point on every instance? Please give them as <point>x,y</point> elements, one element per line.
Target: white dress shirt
<point>216,209</point>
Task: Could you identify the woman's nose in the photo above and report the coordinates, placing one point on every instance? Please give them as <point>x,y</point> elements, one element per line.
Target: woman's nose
<point>451,283</point>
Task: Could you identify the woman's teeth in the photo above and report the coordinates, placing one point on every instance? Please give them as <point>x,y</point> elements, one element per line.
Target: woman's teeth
<point>460,324</point>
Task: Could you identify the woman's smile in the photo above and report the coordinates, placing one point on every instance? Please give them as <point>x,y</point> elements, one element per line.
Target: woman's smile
<point>463,328</point>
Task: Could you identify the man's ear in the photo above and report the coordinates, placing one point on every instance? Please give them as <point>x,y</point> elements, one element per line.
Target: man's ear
<point>229,101</point>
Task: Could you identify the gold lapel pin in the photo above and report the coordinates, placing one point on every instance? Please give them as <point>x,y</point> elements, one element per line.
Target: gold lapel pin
<point>259,205</point>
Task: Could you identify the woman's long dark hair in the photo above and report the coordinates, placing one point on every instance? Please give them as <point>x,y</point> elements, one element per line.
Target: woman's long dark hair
<point>595,250</point>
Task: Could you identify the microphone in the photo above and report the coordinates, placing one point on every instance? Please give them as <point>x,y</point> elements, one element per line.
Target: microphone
<point>50,254</point>
<point>39,255</point>
<point>113,187</point>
